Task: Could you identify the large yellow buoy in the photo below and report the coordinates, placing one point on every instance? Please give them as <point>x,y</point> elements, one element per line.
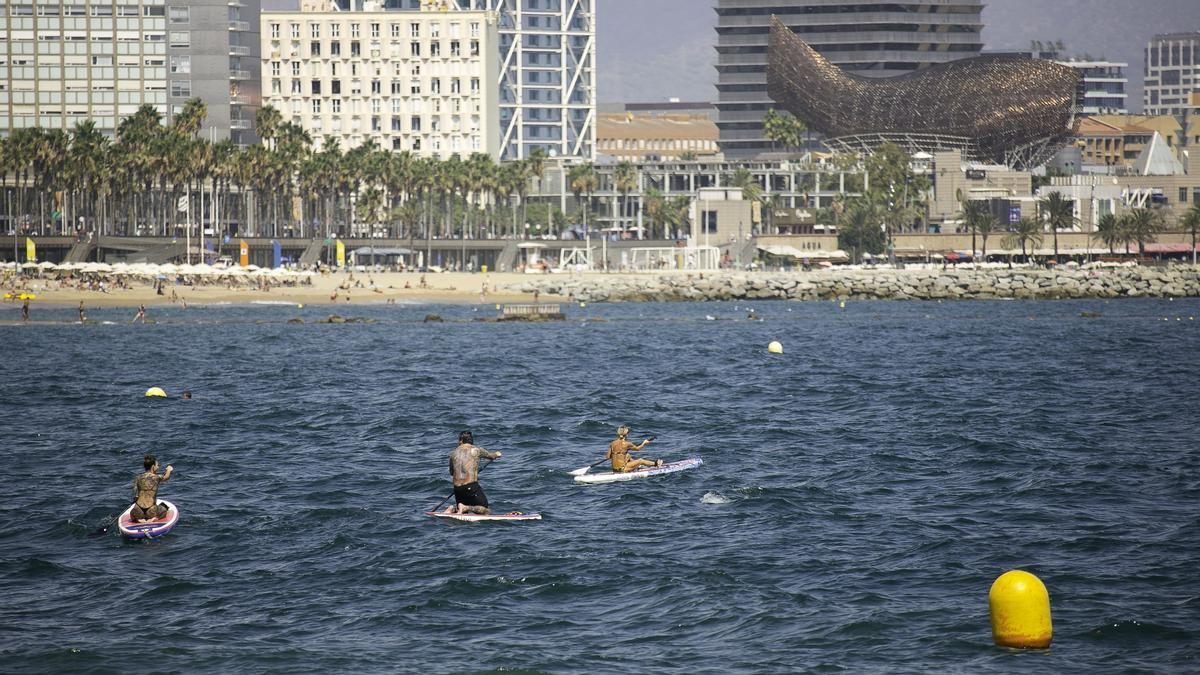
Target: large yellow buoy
<point>155,392</point>
<point>775,348</point>
<point>1020,609</point>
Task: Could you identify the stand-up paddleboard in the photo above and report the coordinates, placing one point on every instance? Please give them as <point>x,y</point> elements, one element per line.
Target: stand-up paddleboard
<point>148,529</point>
<point>611,477</point>
<point>478,518</point>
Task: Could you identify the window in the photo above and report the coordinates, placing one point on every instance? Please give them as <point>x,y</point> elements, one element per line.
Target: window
<point>314,49</point>
<point>181,88</point>
<point>414,30</point>
<point>335,30</point>
<point>376,106</point>
<point>395,31</point>
<point>474,29</point>
<point>274,31</point>
<point>1182,195</point>
<point>435,30</point>
<point>179,14</point>
<point>355,49</point>
<point>316,106</point>
<point>316,87</point>
<point>415,87</point>
<point>181,65</point>
<point>180,39</point>
<point>335,49</point>
<point>374,30</point>
<point>295,31</point>
<point>455,85</point>
<point>314,31</point>
<point>415,125</point>
<point>455,48</point>
<point>335,106</point>
<point>276,87</point>
<point>435,86</point>
<point>474,47</point>
<point>435,49</point>
<point>296,86</point>
<point>474,85</point>
<point>376,126</point>
<point>416,144</point>
<point>275,69</point>
<point>335,87</point>
<point>376,87</point>
<point>354,30</point>
<point>295,68</point>
<point>415,49</point>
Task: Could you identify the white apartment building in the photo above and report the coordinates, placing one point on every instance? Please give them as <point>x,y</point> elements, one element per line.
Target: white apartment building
<point>66,61</point>
<point>1172,73</point>
<point>421,81</point>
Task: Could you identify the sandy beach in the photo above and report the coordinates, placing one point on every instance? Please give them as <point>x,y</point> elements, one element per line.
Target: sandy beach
<point>359,288</point>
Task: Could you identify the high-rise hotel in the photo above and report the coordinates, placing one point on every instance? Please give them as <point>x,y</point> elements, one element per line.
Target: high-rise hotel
<point>65,61</point>
<point>1172,74</point>
<point>864,37</point>
<point>420,81</point>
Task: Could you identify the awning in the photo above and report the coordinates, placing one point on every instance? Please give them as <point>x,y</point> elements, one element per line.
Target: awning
<point>367,250</point>
<point>530,244</point>
<point>1165,248</point>
<point>783,251</point>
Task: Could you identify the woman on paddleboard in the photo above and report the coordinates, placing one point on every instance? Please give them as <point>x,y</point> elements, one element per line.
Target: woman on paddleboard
<point>145,490</point>
<point>618,452</point>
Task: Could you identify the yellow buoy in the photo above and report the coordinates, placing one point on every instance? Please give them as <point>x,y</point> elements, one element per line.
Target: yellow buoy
<point>497,306</point>
<point>842,304</point>
<point>1020,609</point>
<point>583,304</point>
<point>155,392</point>
<point>299,306</point>
<point>775,348</point>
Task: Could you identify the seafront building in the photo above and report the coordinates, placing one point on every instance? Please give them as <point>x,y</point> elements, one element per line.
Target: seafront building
<point>412,81</point>
<point>873,39</point>
<point>1104,82</point>
<point>637,137</point>
<point>1172,73</point>
<point>63,62</point>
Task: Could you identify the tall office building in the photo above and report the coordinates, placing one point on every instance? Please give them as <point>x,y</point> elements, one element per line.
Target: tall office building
<point>866,37</point>
<point>1172,73</point>
<point>1104,81</point>
<point>419,81</point>
<point>65,61</point>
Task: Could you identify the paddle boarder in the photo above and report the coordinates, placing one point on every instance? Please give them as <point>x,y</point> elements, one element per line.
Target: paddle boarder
<point>618,452</point>
<point>145,490</point>
<point>464,470</point>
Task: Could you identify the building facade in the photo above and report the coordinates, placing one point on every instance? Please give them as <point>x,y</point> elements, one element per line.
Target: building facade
<point>1172,73</point>
<point>640,137</point>
<point>68,61</point>
<point>873,39</point>
<point>413,81</point>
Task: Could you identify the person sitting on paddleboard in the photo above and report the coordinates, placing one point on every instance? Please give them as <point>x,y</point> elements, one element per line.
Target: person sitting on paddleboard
<point>145,490</point>
<point>464,469</point>
<point>618,452</point>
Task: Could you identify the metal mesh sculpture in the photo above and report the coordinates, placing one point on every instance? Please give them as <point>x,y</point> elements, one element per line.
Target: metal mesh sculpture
<point>1009,110</point>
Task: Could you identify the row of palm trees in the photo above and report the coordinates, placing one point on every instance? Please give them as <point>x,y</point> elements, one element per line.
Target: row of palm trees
<point>150,179</point>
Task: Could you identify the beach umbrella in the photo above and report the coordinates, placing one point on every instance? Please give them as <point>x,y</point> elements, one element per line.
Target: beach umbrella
<point>47,265</point>
<point>29,266</point>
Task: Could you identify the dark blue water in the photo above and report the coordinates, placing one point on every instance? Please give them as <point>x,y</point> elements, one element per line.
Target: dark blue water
<point>875,480</point>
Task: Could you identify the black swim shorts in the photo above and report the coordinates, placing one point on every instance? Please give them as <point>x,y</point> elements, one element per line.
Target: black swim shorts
<point>470,495</point>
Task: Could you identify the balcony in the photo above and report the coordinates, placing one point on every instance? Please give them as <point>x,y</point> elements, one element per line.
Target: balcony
<point>239,74</point>
<point>242,26</point>
<point>239,99</point>
<point>239,50</point>
<point>241,123</point>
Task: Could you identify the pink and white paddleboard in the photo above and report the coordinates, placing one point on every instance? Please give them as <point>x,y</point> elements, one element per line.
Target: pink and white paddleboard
<point>478,518</point>
<point>148,529</point>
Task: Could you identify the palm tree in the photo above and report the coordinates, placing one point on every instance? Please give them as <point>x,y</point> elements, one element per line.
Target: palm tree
<point>1191,223</point>
<point>1059,214</point>
<point>625,180</point>
<point>1143,226</point>
<point>583,181</point>
<point>266,121</point>
<point>977,216</point>
<point>192,117</point>
<point>784,129</point>
<point>742,178</point>
<point>1026,231</point>
<point>1110,231</point>
<point>654,205</point>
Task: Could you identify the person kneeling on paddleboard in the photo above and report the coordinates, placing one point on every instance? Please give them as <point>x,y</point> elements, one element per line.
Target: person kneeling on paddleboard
<point>145,491</point>
<point>464,469</point>
<point>618,452</point>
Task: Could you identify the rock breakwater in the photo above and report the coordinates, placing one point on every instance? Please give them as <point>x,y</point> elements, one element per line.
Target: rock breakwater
<point>879,284</point>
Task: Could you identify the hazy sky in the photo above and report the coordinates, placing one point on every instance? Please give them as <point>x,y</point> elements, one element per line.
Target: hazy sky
<point>651,50</point>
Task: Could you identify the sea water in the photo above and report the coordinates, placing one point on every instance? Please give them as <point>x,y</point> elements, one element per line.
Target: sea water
<point>874,480</point>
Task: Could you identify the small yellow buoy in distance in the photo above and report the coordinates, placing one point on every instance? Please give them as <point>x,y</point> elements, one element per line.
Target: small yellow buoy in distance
<point>155,392</point>
<point>842,304</point>
<point>301,306</point>
<point>775,348</point>
<point>1020,609</point>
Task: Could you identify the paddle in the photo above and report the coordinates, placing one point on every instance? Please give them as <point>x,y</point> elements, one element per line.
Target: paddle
<point>452,494</point>
<point>580,472</point>
<point>109,522</point>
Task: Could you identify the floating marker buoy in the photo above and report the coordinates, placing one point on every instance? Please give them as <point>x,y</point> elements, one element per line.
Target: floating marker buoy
<point>497,306</point>
<point>775,348</point>
<point>299,306</point>
<point>1020,610</point>
<point>583,304</point>
<point>155,392</point>
<point>842,304</point>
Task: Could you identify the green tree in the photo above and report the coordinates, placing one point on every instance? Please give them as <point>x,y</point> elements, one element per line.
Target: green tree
<point>1110,231</point>
<point>625,180</point>
<point>859,229</point>
<point>1190,222</point>
<point>582,180</point>
<point>784,129</point>
<point>1058,212</point>
<point>1143,226</point>
<point>1027,231</point>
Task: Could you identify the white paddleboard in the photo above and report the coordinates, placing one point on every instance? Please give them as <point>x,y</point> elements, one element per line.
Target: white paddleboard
<point>148,529</point>
<point>610,477</point>
<point>477,518</point>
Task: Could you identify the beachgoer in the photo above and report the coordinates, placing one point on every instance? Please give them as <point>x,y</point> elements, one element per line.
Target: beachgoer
<point>141,314</point>
<point>25,311</point>
<point>187,395</point>
<point>618,452</point>
<point>464,470</point>
<point>82,316</point>
<point>145,491</point>
<point>536,293</point>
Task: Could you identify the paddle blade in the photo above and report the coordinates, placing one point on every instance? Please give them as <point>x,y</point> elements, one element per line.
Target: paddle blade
<point>580,472</point>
